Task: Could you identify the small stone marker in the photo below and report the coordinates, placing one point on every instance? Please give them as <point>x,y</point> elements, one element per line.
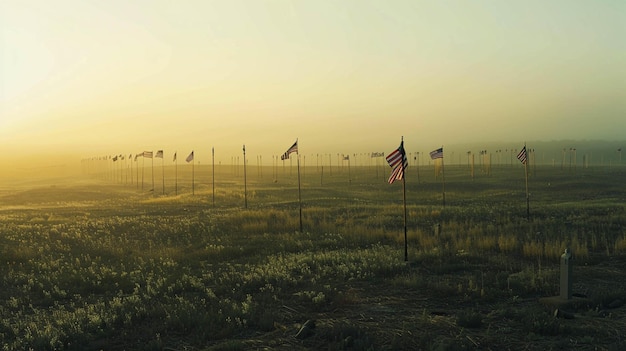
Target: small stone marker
<point>566,275</point>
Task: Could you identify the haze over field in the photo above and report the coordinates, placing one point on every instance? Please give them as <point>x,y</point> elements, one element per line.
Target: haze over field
<point>89,78</point>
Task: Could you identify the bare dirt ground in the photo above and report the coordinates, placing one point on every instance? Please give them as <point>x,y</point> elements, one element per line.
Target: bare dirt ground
<point>386,316</point>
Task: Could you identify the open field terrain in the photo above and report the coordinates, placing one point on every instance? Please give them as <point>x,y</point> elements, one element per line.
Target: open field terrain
<point>98,264</point>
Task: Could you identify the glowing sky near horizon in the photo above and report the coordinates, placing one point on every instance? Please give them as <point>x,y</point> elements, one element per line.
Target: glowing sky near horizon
<point>117,76</point>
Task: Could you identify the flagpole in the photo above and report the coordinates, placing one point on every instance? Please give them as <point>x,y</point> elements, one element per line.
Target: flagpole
<point>137,172</point>
<point>152,174</point>
<point>193,175</point>
<point>349,176</point>
<point>129,170</point>
<point>406,247</point>
<point>526,176</point>
<point>143,168</point>
<point>245,186</point>
<point>176,173</point>
<point>443,179</point>
<point>163,171</point>
<point>299,191</point>
<point>213,171</point>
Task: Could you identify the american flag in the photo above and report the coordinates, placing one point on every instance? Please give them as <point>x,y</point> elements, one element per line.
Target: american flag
<point>522,155</point>
<point>293,148</point>
<point>435,154</point>
<point>396,174</point>
<point>398,162</point>
<point>376,154</point>
<point>190,157</point>
<point>159,154</point>
<point>147,154</point>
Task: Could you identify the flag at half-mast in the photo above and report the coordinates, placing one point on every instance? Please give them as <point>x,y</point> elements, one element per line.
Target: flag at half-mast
<point>522,155</point>
<point>159,154</point>
<point>293,148</point>
<point>190,157</point>
<point>435,154</point>
<point>398,162</point>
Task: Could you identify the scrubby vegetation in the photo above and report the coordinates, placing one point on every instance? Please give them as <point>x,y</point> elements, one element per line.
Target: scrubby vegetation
<point>93,265</point>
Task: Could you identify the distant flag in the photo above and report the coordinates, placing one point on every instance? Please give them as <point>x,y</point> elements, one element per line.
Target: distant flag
<point>159,154</point>
<point>522,155</point>
<point>114,158</point>
<point>174,160</point>
<point>376,154</point>
<point>293,148</point>
<point>190,157</point>
<point>435,154</point>
<point>138,155</point>
<point>147,154</point>
<point>130,156</point>
<point>398,162</point>
<point>346,158</point>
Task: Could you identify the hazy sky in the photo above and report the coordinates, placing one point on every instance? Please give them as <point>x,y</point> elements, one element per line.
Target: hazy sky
<point>105,77</point>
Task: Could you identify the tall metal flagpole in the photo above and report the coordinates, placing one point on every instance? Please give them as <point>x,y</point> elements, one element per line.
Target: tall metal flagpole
<point>163,171</point>
<point>443,179</point>
<point>299,191</point>
<point>193,175</point>
<point>137,172</point>
<point>176,173</point>
<point>526,175</point>
<point>406,247</point>
<point>153,174</point>
<point>143,169</point>
<point>213,172</point>
<point>245,186</point>
<point>349,176</point>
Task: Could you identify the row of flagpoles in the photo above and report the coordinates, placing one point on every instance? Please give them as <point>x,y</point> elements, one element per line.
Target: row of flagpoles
<point>151,155</point>
<point>397,160</point>
<point>95,165</point>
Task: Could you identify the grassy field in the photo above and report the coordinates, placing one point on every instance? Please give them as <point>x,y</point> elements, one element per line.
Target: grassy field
<point>97,264</point>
